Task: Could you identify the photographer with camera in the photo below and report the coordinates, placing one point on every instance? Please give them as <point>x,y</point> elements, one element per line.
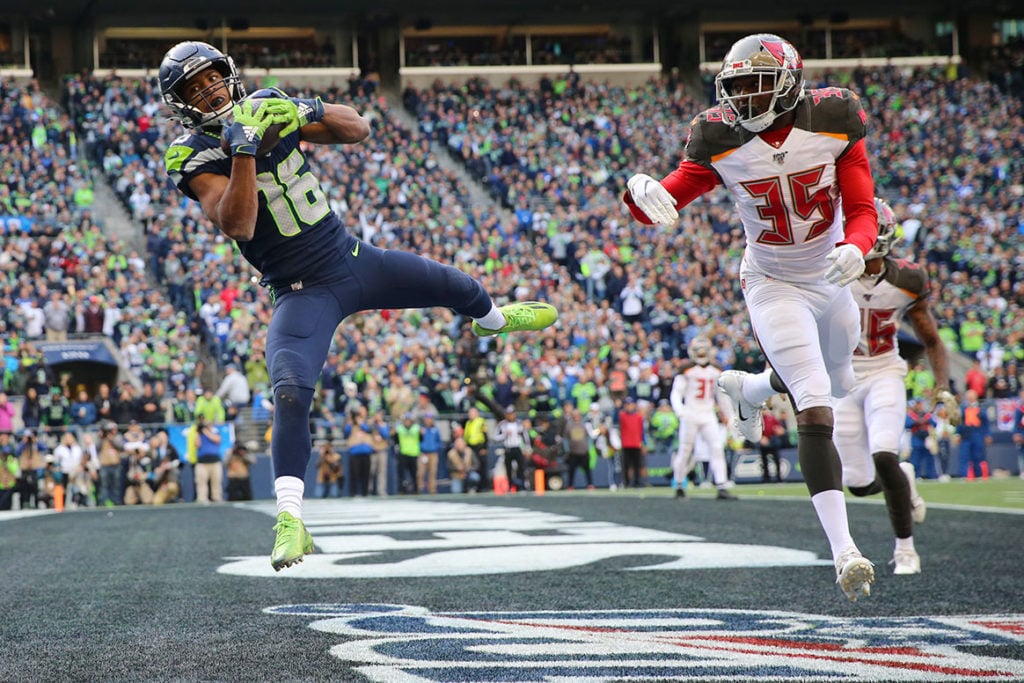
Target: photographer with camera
<point>240,461</point>
<point>110,452</point>
<point>380,438</point>
<point>209,469</point>
<point>30,459</point>
<point>330,472</point>
<point>166,476</point>
<point>140,467</point>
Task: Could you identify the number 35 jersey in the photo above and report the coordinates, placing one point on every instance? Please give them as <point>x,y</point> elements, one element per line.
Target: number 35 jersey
<point>786,189</point>
<point>297,236</point>
<point>883,301</point>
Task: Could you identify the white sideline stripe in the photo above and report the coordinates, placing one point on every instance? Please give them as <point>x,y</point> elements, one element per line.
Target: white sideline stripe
<point>8,515</point>
<point>931,505</point>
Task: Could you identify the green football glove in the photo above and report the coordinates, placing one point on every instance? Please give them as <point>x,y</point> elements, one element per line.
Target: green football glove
<point>309,110</point>
<point>251,120</point>
<point>297,112</point>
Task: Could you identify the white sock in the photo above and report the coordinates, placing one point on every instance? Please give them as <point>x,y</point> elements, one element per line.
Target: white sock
<point>494,320</point>
<point>719,471</point>
<point>289,492</point>
<point>758,388</point>
<point>905,543</point>
<point>831,508</point>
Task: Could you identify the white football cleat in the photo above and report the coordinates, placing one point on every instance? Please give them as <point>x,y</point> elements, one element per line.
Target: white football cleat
<point>854,573</point>
<point>906,562</point>
<point>747,415</point>
<point>918,509</point>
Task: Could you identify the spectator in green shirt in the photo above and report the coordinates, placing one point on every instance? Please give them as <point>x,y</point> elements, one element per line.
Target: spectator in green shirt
<point>972,333</point>
<point>664,427</point>
<point>920,381</point>
<point>210,407</point>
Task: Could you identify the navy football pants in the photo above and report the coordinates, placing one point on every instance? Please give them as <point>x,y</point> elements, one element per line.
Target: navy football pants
<point>305,319</point>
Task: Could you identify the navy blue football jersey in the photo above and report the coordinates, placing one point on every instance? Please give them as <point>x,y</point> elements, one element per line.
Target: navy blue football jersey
<point>297,236</point>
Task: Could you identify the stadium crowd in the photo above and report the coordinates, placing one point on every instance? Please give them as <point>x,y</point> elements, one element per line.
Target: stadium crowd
<point>946,152</point>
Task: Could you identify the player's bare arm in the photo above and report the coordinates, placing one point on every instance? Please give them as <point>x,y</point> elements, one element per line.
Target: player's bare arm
<point>341,125</point>
<point>923,322</point>
<point>231,202</point>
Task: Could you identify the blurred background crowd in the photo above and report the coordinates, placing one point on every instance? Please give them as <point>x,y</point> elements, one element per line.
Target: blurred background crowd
<point>518,185</point>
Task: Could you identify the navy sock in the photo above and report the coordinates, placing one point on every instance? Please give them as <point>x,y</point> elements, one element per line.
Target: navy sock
<point>290,444</point>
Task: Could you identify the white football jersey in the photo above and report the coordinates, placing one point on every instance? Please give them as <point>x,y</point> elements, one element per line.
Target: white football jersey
<point>786,196</point>
<point>883,302</point>
<point>695,390</point>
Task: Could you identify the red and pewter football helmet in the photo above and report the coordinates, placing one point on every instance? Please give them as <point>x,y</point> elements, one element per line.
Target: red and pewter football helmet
<point>777,65</point>
<point>699,350</point>
<point>888,231</point>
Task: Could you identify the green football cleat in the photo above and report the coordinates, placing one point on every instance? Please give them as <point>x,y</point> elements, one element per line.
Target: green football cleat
<point>521,317</point>
<point>293,541</point>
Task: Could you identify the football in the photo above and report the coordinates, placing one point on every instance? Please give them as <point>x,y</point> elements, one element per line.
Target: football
<point>268,142</point>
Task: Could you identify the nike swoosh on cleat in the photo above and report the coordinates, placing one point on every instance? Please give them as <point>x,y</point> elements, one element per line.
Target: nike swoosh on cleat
<point>355,252</point>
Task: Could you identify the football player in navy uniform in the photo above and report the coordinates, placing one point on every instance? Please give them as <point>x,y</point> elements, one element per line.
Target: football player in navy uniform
<point>795,163</point>
<point>267,199</point>
<point>870,419</point>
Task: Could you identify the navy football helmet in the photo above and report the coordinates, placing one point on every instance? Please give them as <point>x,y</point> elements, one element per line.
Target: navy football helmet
<point>779,70</point>
<point>182,62</point>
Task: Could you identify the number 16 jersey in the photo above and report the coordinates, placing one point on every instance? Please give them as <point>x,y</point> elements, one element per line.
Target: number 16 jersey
<point>297,235</point>
<point>883,301</point>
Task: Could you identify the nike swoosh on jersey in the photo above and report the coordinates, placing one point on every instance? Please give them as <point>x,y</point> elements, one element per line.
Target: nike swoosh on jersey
<point>355,251</point>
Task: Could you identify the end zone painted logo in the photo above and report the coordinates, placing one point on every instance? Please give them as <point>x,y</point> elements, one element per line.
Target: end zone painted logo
<point>431,539</point>
<point>401,642</point>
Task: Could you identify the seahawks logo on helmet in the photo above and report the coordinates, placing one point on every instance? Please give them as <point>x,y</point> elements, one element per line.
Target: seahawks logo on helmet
<point>182,62</point>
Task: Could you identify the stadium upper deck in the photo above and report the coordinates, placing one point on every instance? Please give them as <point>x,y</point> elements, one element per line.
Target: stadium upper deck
<point>392,38</point>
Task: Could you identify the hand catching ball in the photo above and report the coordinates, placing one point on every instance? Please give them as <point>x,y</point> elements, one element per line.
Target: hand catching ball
<point>268,142</point>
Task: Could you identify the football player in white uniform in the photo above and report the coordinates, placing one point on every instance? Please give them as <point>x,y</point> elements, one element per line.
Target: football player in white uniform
<point>871,418</point>
<point>796,165</point>
<point>694,398</point>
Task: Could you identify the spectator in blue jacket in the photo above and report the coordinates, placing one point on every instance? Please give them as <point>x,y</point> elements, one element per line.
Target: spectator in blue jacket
<point>975,436</point>
<point>359,446</point>
<point>1018,433</point>
<point>83,411</point>
<point>430,449</point>
<point>921,422</point>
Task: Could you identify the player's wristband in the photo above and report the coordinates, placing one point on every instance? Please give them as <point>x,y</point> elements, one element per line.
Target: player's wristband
<point>309,110</point>
<point>242,140</point>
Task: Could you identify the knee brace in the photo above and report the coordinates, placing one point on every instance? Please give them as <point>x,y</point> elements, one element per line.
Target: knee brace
<point>288,366</point>
<point>288,396</point>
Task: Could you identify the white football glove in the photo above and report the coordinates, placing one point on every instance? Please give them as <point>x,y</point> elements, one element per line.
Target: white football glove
<point>952,405</point>
<point>653,199</point>
<point>847,265</point>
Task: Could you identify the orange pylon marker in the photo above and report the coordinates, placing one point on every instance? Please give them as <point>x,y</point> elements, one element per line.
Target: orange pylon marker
<point>538,481</point>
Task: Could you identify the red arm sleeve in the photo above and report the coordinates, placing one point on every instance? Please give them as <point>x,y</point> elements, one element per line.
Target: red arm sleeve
<point>689,181</point>
<point>857,188</point>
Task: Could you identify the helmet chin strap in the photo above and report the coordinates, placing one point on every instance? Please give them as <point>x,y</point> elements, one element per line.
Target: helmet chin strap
<point>760,122</point>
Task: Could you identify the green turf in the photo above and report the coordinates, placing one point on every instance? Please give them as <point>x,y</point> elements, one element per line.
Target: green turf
<point>1005,493</point>
<point>991,493</point>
